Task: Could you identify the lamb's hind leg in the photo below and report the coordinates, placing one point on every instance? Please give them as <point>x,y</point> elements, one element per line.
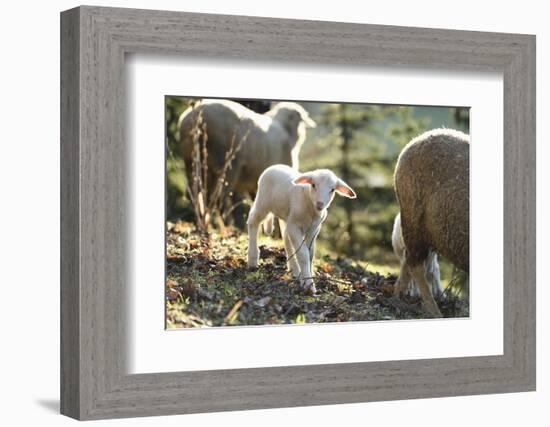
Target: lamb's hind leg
<point>255,218</point>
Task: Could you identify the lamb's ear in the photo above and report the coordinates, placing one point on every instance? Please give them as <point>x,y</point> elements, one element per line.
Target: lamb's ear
<point>345,190</point>
<point>303,179</point>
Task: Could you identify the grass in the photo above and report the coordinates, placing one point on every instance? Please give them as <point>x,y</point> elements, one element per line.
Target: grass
<point>208,284</point>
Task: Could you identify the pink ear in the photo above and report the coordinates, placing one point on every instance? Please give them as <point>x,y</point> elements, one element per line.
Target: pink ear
<point>303,179</point>
<point>345,190</point>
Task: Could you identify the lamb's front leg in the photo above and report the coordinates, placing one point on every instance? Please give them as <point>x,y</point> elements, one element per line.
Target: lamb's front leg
<point>292,263</point>
<point>311,248</point>
<point>297,238</point>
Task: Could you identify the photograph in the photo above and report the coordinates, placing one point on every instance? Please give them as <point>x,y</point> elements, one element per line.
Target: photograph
<point>293,212</point>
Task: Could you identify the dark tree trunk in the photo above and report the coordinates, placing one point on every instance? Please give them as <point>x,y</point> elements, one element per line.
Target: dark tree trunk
<point>346,174</point>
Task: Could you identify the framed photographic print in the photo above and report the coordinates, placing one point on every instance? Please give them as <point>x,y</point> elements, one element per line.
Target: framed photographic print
<point>300,212</point>
<point>228,161</point>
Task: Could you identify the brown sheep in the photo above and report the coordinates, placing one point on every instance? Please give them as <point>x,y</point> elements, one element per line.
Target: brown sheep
<point>432,184</point>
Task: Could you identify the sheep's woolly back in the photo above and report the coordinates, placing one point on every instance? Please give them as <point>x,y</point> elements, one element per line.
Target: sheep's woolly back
<point>240,111</point>
<point>432,183</point>
<point>443,134</point>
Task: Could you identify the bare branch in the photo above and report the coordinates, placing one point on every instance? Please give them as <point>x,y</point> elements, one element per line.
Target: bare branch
<point>208,204</point>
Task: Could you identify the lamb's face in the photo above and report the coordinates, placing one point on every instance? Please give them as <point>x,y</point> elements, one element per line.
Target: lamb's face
<point>322,189</point>
<point>323,184</point>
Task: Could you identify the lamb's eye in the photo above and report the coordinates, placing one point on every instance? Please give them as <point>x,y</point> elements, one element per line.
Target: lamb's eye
<point>312,185</point>
<point>332,191</point>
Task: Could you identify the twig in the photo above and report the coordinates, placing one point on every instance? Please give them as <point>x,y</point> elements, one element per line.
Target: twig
<point>229,317</point>
<point>231,209</point>
<point>456,284</point>
<point>229,157</point>
<point>208,205</point>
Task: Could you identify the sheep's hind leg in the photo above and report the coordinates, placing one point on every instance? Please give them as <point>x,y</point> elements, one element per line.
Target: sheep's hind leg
<point>404,280</point>
<point>282,228</point>
<point>254,220</point>
<point>419,274</point>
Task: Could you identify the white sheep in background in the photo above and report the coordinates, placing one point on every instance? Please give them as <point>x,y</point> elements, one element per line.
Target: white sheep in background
<point>300,201</point>
<point>270,138</point>
<point>431,264</point>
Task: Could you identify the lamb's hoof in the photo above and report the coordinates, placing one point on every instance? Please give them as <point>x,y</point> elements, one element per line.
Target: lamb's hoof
<point>309,287</point>
<point>253,264</point>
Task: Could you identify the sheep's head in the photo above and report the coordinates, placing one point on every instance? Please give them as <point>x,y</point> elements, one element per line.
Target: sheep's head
<point>291,115</point>
<point>323,184</point>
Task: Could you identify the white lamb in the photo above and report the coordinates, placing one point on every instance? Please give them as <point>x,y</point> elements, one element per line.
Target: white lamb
<point>300,202</point>
<point>431,265</point>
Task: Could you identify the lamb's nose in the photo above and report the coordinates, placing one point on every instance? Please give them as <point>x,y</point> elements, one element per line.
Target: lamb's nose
<point>320,206</point>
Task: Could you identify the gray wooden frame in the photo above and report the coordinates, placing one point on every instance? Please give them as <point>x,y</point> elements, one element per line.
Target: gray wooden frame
<point>94,41</point>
